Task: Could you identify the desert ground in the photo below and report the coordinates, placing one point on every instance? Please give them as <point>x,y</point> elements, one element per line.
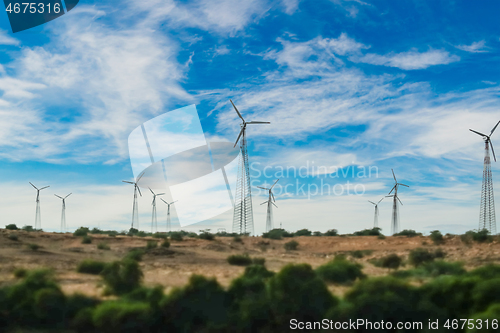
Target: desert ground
<point>172,267</point>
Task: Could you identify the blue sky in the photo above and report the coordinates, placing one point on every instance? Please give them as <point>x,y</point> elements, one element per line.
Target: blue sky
<point>344,83</point>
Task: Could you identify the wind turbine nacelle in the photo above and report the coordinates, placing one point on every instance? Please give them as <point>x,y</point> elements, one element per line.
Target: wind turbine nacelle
<point>173,153</point>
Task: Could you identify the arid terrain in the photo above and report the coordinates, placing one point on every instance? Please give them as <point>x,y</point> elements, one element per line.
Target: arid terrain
<point>173,266</point>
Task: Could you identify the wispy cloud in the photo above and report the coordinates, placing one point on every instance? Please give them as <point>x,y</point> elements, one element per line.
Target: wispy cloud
<point>476,47</point>
<point>7,40</point>
<point>411,60</point>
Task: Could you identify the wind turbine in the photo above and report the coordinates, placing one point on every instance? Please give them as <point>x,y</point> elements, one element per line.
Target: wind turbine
<point>270,202</point>
<point>395,208</point>
<point>154,220</point>
<point>375,219</point>
<point>38,217</point>
<point>63,212</point>
<point>169,226</point>
<point>243,212</point>
<point>487,219</point>
<point>135,209</point>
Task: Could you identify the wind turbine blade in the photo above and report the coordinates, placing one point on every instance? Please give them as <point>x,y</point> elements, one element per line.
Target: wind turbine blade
<point>274,184</point>
<point>44,187</point>
<point>399,201</point>
<point>239,136</point>
<point>264,203</point>
<point>138,189</point>
<point>273,197</point>
<point>372,202</point>
<point>258,122</point>
<point>392,189</point>
<point>403,185</point>
<point>68,195</point>
<point>493,151</point>
<point>274,204</point>
<point>494,128</point>
<point>140,176</point>
<point>394,175</point>
<point>127,182</point>
<point>263,188</point>
<point>33,186</point>
<point>389,196</point>
<point>160,193</point>
<point>164,201</point>
<point>151,191</point>
<point>58,196</point>
<point>380,201</point>
<point>479,133</point>
<point>238,112</point>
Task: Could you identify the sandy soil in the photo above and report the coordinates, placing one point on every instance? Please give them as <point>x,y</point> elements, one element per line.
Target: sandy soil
<point>173,267</point>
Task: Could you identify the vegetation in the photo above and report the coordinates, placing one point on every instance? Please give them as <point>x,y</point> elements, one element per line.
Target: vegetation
<point>368,232</point>
<point>432,269</point>
<point>13,237</point>
<point>331,232</point>
<point>33,247</point>
<point>28,228</point>
<point>239,260</point>
<point>408,233</point>
<point>135,254</point>
<point>20,273</point>
<point>86,240</point>
<point>121,277</point>
<point>151,245</point>
<point>237,239</point>
<point>391,261</point>
<point>302,232</point>
<point>103,246</point>
<point>437,237</point>
<point>420,256</point>
<point>11,227</point>
<point>82,231</point>
<point>291,245</point>
<point>176,236</point>
<point>165,244</point>
<point>340,271</point>
<point>476,236</point>
<point>360,253</point>
<point>90,266</point>
<point>205,234</point>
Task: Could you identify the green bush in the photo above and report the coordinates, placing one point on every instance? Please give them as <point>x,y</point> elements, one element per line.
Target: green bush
<point>380,237</point>
<point>11,227</point>
<point>176,236</point>
<point>486,293</point>
<point>151,245</point>
<point>89,266</point>
<point>142,234</point>
<point>33,247</point>
<point>28,228</point>
<point>437,237</point>
<point>82,231</point>
<point>165,244</point>
<point>408,233</point>
<point>96,231</point>
<point>103,246</point>
<point>489,271</point>
<point>331,232</point>
<point>122,316</point>
<point>476,236</point>
<point>259,261</point>
<point>206,235</point>
<point>132,232</point>
<point>419,256</point>
<point>274,234</point>
<point>491,315</point>
<point>340,271</point>
<point>291,245</point>
<point>121,277</point>
<point>161,235</point>
<point>368,232</point>
<point>86,240</point>
<point>134,254</point>
<point>392,261</point>
<point>239,260</point>
<point>20,273</point>
<point>302,232</point>
<point>237,239</point>
<point>13,237</point>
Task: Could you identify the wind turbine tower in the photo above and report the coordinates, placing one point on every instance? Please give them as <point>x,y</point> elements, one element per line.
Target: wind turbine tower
<point>487,219</point>
<point>395,206</point>
<point>270,202</point>
<point>154,219</point>
<point>243,212</point>
<point>169,225</point>
<point>38,217</point>
<point>375,218</point>
<point>63,212</point>
<point>135,209</point>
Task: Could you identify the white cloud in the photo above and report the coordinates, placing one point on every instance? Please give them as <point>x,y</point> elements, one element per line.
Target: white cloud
<point>410,60</point>
<point>291,6</point>
<point>5,39</point>
<point>476,47</point>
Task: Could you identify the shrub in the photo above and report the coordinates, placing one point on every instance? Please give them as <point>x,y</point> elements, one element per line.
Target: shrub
<point>368,232</point>
<point>360,253</point>
<point>441,267</point>
<point>20,273</point>
<point>28,228</point>
<point>291,245</point>
<point>419,256</point>
<point>49,305</point>
<point>206,235</point>
<point>121,277</point>
<point>317,233</point>
<point>331,232</point>
<point>302,232</point>
<point>192,235</point>
<point>490,271</point>
<point>151,245</point>
<point>11,227</point>
<point>176,236</point>
<point>160,235</point>
<point>439,253</point>
<point>476,236</point>
<point>392,261</point>
<point>86,240</point>
<point>33,247</point>
<point>132,232</point>
<point>103,246</point>
<point>237,239</point>
<point>122,316</point>
<point>13,237</point>
<point>437,237</point>
<point>82,231</point>
<point>408,233</point>
<point>96,231</point>
<point>239,260</point>
<point>165,243</point>
<point>491,316</point>
<point>274,234</point>
<point>340,270</point>
<point>90,266</point>
<point>380,237</point>
<point>259,261</point>
<point>142,234</point>
<point>134,254</point>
